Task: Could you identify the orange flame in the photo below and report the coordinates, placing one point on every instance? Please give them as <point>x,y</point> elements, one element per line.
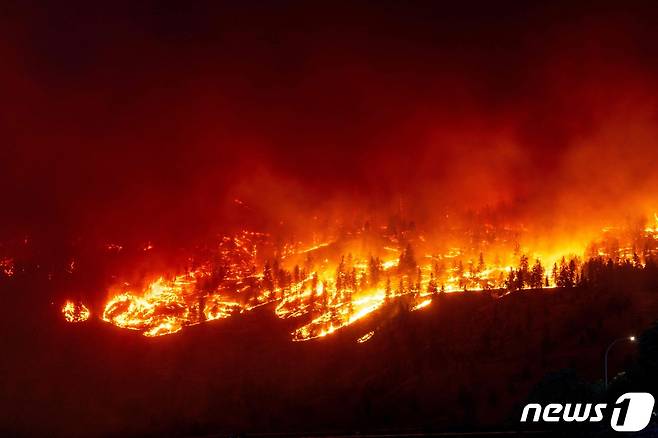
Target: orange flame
<point>324,296</point>
<point>75,311</point>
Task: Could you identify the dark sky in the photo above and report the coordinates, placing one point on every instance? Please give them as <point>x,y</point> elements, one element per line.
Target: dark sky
<point>148,117</point>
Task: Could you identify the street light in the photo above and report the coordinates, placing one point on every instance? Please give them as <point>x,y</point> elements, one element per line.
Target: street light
<point>605,359</point>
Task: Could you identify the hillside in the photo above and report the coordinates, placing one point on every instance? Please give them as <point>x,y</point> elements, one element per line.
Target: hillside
<point>465,359</point>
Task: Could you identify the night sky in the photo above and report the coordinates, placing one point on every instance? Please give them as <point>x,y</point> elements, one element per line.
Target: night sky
<point>152,117</point>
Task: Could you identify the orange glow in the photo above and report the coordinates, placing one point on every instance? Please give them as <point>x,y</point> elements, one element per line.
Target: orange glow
<point>366,337</point>
<point>422,304</point>
<point>75,311</point>
<point>165,307</point>
<point>7,267</point>
<point>329,285</point>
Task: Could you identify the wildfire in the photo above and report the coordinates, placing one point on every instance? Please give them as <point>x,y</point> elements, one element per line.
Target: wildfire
<point>326,290</point>
<point>75,311</point>
<point>338,313</point>
<point>166,307</point>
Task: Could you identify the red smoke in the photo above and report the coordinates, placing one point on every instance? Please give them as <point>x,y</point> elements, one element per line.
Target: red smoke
<point>152,120</point>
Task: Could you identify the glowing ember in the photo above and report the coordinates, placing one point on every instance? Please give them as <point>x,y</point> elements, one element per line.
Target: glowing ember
<point>75,312</point>
<point>366,337</point>
<point>113,247</point>
<point>422,304</point>
<point>7,267</point>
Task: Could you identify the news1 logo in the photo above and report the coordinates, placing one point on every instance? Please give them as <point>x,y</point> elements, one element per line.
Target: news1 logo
<point>630,413</point>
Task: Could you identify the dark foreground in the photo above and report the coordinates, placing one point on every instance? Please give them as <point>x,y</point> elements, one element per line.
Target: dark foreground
<point>461,366</point>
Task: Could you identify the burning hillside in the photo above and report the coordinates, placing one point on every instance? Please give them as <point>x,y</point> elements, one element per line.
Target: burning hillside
<point>378,214</point>
<point>325,286</point>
